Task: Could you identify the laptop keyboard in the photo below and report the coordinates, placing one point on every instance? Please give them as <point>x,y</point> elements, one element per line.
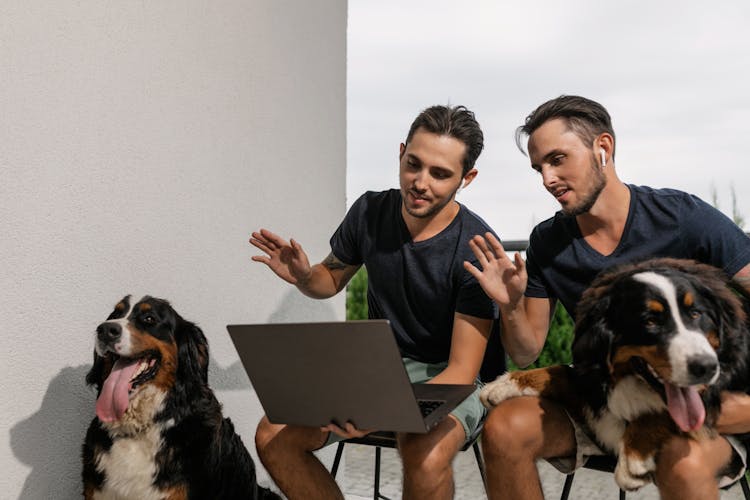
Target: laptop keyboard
<point>427,406</point>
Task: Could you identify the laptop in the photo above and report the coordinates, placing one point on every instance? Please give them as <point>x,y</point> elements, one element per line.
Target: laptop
<point>312,374</point>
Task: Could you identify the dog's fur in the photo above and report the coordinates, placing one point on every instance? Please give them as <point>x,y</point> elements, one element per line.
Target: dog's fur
<point>159,431</point>
<point>655,344</point>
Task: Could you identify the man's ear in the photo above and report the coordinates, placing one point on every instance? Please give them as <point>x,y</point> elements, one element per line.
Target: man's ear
<point>606,143</point>
<point>401,151</point>
<point>470,175</point>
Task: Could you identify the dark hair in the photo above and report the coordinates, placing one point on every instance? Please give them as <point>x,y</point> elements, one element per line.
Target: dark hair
<point>586,118</point>
<point>457,122</point>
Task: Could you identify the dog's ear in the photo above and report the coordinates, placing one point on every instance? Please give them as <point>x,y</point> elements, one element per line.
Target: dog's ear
<point>96,373</point>
<point>591,347</point>
<point>192,351</point>
<point>593,337</point>
<point>733,306</point>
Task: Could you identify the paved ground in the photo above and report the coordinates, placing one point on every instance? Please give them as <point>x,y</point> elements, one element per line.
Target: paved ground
<point>588,484</point>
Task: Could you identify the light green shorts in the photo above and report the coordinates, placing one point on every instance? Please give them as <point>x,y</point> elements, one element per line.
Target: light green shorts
<point>469,413</point>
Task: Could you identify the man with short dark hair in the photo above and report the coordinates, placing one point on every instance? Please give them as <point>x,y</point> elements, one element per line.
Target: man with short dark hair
<point>413,242</point>
<point>603,222</point>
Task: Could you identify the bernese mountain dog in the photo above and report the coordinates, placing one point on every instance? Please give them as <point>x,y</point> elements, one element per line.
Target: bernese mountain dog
<point>655,344</point>
<point>159,431</point>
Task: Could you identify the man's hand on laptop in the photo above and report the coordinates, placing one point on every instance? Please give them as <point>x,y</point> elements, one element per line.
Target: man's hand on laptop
<point>348,431</point>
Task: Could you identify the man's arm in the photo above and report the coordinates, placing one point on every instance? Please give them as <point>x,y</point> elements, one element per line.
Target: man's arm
<point>525,319</point>
<point>525,329</point>
<point>742,278</point>
<point>468,342</point>
<point>735,406</point>
<point>289,261</point>
<point>327,278</point>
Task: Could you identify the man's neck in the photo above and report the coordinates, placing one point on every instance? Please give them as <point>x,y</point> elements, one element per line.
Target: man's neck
<point>602,227</point>
<point>424,228</point>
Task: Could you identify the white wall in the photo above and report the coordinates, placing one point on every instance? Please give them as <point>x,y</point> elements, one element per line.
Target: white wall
<point>140,143</point>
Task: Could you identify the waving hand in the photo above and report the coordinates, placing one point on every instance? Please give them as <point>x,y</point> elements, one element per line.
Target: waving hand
<point>503,280</point>
<point>286,259</point>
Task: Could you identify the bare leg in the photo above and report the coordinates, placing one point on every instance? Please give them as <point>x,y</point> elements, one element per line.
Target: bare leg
<point>428,460</point>
<point>516,433</point>
<point>688,469</point>
<point>286,453</point>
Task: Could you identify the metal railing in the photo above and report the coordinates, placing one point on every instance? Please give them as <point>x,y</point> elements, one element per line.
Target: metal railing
<point>521,245</point>
<point>515,245</point>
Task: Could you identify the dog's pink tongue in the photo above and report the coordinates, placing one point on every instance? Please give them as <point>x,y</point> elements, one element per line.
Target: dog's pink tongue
<point>685,407</point>
<point>113,400</point>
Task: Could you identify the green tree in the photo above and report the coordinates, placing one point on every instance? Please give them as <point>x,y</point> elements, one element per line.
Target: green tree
<point>737,217</point>
<point>356,295</point>
<point>556,349</point>
<point>559,339</point>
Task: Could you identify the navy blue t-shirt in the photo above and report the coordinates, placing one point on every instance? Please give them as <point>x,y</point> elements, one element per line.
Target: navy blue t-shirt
<point>660,223</point>
<point>417,286</point>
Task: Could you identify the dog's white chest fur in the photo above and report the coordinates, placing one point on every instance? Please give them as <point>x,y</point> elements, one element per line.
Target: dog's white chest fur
<point>130,467</point>
<point>630,398</point>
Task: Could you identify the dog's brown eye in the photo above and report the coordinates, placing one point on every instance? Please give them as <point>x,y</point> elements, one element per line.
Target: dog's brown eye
<point>650,323</point>
<point>149,320</point>
<point>695,314</point>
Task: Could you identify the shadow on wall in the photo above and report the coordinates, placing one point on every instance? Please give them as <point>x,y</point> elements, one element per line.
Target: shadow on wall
<point>50,440</point>
<point>294,307</point>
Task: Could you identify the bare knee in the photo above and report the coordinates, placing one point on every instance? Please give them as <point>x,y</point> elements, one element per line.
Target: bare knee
<point>264,434</point>
<point>275,440</point>
<point>527,428</point>
<point>683,461</point>
<point>422,459</point>
<point>511,429</point>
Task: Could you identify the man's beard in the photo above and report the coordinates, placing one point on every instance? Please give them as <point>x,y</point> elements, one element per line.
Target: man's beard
<point>431,211</point>
<point>600,180</point>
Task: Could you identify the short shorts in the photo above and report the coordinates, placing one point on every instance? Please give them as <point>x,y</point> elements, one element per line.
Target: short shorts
<point>469,413</point>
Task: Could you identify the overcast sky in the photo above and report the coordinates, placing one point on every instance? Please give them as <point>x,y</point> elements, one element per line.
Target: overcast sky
<point>673,75</point>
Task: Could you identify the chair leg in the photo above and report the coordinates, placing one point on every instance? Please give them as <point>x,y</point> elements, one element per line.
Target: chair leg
<point>745,487</point>
<point>622,494</point>
<point>376,486</point>
<point>480,462</point>
<point>337,459</point>
<point>567,486</point>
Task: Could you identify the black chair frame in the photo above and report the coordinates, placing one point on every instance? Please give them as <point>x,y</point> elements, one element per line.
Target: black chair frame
<point>493,365</point>
<point>607,463</point>
<point>388,440</point>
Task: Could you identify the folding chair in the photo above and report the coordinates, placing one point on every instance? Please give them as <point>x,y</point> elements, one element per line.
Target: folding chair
<point>607,463</point>
<point>493,365</point>
<point>388,440</point>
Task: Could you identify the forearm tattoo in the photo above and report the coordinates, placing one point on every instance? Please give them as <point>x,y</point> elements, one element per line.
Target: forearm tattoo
<point>332,263</point>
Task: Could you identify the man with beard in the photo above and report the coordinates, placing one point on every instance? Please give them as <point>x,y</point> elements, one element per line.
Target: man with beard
<point>603,222</point>
<point>413,241</point>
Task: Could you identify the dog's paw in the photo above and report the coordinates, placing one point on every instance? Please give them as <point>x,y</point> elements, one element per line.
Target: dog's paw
<point>505,387</point>
<point>634,471</point>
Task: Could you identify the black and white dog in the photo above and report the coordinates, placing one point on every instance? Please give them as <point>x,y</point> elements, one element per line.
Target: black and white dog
<point>655,344</point>
<point>159,432</point>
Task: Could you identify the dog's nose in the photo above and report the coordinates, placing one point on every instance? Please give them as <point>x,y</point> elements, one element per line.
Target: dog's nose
<point>107,332</point>
<point>702,368</point>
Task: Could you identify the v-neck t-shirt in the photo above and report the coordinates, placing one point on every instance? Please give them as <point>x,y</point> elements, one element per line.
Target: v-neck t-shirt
<point>660,223</point>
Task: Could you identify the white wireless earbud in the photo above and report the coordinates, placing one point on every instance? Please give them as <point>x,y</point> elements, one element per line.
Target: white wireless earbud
<point>460,187</point>
<point>604,157</point>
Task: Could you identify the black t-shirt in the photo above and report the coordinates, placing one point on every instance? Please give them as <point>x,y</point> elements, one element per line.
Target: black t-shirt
<point>417,286</point>
<point>660,223</point>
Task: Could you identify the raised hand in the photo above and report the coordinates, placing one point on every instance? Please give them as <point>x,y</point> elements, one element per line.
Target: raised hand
<point>286,259</point>
<point>503,280</point>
